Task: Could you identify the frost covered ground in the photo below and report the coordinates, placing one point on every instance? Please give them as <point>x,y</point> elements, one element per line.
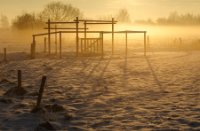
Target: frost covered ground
<point>157,92</point>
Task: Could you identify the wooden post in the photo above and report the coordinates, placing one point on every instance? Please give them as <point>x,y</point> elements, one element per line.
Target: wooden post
<point>102,48</point>
<point>148,43</point>
<point>126,43</point>
<point>19,78</point>
<point>33,48</point>
<point>5,54</point>
<point>49,37</point>
<point>85,35</point>
<point>45,44</point>
<point>41,91</point>
<point>60,45</point>
<point>77,36</point>
<point>56,47</point>
<point>145,50</point>
<point>112,36</point>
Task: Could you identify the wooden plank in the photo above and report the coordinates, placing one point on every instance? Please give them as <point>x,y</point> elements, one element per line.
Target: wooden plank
<point>67,28</point>
<point>95,23</point>
<point>54,22</point>
<point>82,20</point>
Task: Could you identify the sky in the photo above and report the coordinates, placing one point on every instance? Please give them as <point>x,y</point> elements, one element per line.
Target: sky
<point>138,9</point>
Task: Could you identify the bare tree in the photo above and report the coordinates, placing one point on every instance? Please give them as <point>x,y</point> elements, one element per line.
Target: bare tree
<point>123,16</point>
<point>59,11</point>
<point>4,21</point>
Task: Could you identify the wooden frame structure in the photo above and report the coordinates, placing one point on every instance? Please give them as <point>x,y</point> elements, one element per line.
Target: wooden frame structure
<point>84,45</point>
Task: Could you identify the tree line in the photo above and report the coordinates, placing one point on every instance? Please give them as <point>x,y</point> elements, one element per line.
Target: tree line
<point>174,18</point>
<point>56,11</point>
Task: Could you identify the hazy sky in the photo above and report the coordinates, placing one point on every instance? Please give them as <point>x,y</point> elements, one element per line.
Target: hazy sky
<point>138,9</point>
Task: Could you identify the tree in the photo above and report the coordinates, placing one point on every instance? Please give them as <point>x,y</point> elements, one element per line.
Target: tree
<point>123,16</point>
<point>4,21</point>
<point>59,11</point>
<point>26,21</point>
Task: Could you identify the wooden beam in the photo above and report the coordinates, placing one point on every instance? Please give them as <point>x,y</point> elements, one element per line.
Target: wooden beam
<point>53,22</point>
<point>67,28</point>
<point>100,23</point>
<point>81,20</point>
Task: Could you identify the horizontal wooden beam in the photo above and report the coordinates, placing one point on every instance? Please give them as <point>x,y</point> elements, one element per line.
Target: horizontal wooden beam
<point>62,22</point>
<point>67,28</point>
<point>100,23</point>
<point>95,20</point>
<point>104,32</point>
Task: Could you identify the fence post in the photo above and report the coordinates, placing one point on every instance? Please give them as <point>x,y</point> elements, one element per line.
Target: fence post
<point>49,37</point>
<point>41,91</point>
<point>145,50</point>
<point>33,48</point>
<point>45,44</point>
<point>19,78</point>
<point>60,53</point>
<point>126,43</point>
<point>112,36</point>
<point>77,37</point>
<point>5,55</point>
<point>56,48</point>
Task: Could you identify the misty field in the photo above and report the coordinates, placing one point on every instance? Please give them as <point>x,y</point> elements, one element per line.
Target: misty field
<point>157,92</point>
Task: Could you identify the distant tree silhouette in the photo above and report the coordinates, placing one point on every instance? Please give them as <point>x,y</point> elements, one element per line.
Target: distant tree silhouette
<point>4,23</point>
<point>59,11</point>
<point>123,16</point>
<point>26,21</point>
<point>175,19</point>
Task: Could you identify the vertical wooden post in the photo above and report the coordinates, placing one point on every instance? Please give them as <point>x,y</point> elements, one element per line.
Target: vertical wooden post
<point>45,44</point>
<point>60,54</point>
<point>85,35</point>
<point>145,50</point>
<point>148,43</point>
<point>19,78</point>
<point>49,37</point>
<point>102,45</point>
<point>180,43</point>
<point>81,46</point>
<point>33,48</point>
<point>5,54</point>
<point>77,36</point>
<point>126,43</point>
<point>56,47</point>
<point>39,99</point>
<point>113,36</point>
